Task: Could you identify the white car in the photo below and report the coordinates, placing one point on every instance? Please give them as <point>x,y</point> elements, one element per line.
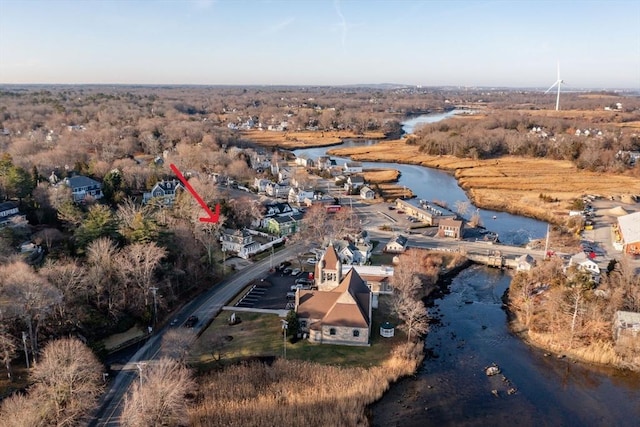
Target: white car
<point>295,271</point>
<point>311,260</point>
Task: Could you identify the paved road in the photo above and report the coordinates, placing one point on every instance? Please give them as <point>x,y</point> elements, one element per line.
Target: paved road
<point>206,307</point>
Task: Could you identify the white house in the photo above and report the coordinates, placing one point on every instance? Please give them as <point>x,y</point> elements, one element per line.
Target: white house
<point>325,163</point>
<point>298,196</point>
<point>352,167</point>
<point>277,190</point>
<point>260,184</point>
<point>583,262</point>
<point>367,193</point>
<point>525,262</point>
<point>304,161</point>
<point>354,253</point>
<point>354,182</point>
<point>397,244</point>
<point>164,192</point>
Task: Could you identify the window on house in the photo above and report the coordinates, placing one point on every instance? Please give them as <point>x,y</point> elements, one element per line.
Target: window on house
<point>332,331</point>
<point>303,323</point>
<point>356,333</point>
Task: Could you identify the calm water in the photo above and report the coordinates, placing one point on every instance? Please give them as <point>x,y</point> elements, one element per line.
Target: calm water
<point>433,184</point>
<point>451,389</point>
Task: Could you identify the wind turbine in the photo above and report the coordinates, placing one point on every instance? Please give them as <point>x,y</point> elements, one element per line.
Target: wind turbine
<point>558,83</point>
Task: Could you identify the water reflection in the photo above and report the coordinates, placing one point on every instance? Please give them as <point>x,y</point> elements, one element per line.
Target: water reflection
<point>433,184</point>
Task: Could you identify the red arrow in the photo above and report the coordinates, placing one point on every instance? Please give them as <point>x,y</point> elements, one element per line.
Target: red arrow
<point>212,217</point>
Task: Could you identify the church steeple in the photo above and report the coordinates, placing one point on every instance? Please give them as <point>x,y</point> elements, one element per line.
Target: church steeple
<point>328,269</point>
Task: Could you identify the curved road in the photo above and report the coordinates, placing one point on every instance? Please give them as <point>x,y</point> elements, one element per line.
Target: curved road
<point>206,307</point>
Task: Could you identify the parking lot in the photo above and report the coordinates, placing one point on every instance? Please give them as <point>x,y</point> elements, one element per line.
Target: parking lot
<point>274,290</point>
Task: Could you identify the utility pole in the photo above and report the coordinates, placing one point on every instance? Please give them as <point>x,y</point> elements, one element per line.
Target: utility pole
<point>546,244</point>
<point>154,291</point>
<point>285,325</point>
<point>24,343</point>
<point>140,365</point>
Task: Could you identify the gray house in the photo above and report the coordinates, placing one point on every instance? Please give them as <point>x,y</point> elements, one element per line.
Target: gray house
<point>163,191</point>
<point>83,187</point>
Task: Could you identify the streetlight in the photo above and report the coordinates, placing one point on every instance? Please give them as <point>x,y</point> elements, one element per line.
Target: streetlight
<point>285,325</point>
<point>24,343</point>
<point>154,291</point>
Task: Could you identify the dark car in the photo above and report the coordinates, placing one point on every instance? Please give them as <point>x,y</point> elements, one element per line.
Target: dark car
<point>287,271</point>
<point>283,265</point>
<point>191,322</point>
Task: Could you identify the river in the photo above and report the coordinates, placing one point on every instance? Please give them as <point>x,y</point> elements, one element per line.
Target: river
<point>451,388</point>
<point>471,332</point>
<point>433,184</point>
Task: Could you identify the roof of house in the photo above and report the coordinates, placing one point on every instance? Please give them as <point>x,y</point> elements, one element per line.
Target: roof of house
<point>5,206</point>
<point>356,178</point>
<point>526,258</point>
<point>168,185</point>
<point>346,305</point>
<point>399,239</point>
<point>284,219</point>
<point>630,227</point>
<point>77,181</point>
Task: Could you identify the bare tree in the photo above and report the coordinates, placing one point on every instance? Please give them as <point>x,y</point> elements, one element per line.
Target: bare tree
<point>405,280</point>
<point>315,225</point>
<point>159,398</point>
<point>102,278</point>
<point>69,376</point>
<point>21,410</point>
<point>414,317</point>
<point>462,207</point>
<point>69,278</point>
<point>137,264</point>
<point>31,297</point>
<point>8,348</point>
<point>176,343</point>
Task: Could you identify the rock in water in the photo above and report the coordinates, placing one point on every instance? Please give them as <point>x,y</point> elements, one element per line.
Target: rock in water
<point>492,370</point>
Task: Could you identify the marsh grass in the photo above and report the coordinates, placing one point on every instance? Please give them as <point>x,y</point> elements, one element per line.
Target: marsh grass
<point>511,184</point>
<point>296,392</point>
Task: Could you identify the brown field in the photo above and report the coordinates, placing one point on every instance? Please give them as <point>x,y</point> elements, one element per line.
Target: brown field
<point>294,392</point>
<point>511,184</point>
<point>378,176</point>
<point>304,139</point>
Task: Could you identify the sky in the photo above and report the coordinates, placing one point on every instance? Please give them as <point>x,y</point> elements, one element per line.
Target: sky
<point>517,43</point>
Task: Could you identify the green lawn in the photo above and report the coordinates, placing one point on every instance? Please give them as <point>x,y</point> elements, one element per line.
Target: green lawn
<point>260,335</point>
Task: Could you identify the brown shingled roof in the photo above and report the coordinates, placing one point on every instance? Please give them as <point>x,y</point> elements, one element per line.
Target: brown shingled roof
<point>346,305</point>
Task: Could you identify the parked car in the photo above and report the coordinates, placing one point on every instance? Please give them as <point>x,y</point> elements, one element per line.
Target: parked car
<point>286,271</point>
<point>295,271</point>
<point>283,265</point>
<point>304,281</point>
<point>291,295</point>
<point>191,322</point>
<point>311,261</point>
